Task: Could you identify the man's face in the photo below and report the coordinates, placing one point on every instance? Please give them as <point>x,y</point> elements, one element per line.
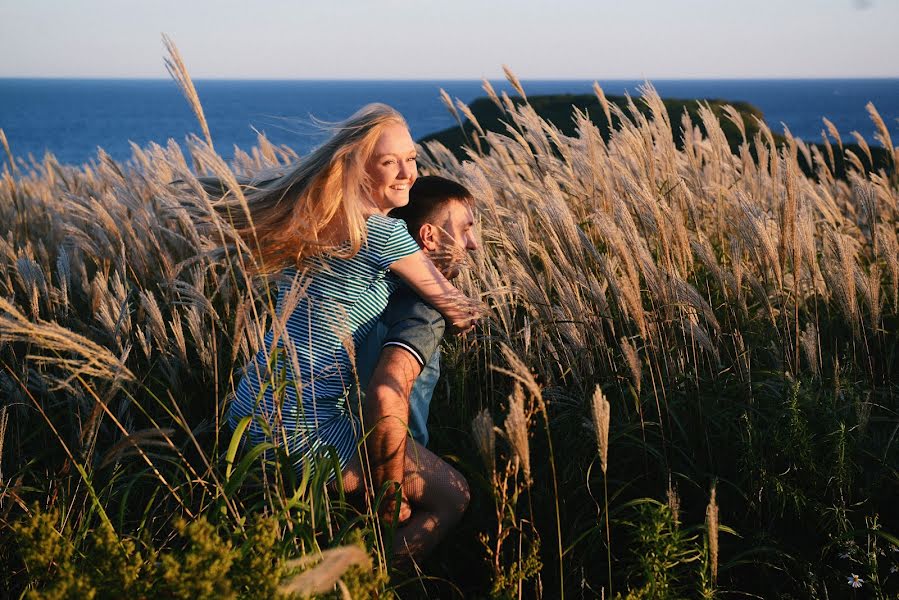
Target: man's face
<point>455,237</point>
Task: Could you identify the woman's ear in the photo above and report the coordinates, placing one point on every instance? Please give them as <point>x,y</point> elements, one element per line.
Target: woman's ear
<point>427,234</point>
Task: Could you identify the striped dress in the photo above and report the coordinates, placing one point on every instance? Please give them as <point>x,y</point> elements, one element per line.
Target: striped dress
<point>311,371</point>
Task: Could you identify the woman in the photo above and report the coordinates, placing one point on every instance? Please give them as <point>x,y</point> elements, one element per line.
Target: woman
<point>324,226</point>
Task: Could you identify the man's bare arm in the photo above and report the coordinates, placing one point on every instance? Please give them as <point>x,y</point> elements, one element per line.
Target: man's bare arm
<point>386,414</point>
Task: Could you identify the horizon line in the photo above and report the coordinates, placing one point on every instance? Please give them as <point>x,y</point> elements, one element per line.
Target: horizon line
<point>449,79</point>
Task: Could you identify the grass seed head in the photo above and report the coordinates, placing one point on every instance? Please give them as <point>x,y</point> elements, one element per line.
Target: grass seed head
<point>601,414</point>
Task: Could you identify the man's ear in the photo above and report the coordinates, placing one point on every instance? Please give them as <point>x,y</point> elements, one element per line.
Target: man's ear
<point>428,233</point>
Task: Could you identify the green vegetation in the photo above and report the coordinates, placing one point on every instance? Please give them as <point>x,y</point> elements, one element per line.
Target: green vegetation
<point>738,315</point>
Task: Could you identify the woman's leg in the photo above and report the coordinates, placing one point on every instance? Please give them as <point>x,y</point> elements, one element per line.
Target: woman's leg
<point>437,493</point>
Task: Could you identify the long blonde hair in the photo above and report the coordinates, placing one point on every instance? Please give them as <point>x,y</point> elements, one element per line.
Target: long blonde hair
<point>317,205</point>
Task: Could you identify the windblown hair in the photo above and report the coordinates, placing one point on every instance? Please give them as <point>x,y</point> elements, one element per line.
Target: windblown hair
<point>318,205</point>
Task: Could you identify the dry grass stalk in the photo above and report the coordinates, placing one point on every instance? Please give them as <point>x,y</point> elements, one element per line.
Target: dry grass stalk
<point>5,143</point>
<point>601,411</point>
<point>484,434</point>
<point>633,363</point>
<point>809,342</point>
<point>4,419</point>
<point>178,70</point>
<point>514,81</point>
<point>92,359</point>
<point>324,576</point>
<point>673,500</point>
<point>711,516</point>
<point>516,430</point>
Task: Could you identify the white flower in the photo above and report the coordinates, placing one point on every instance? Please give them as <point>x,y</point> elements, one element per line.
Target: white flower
<point>855,581</point>
<point>894,568</point>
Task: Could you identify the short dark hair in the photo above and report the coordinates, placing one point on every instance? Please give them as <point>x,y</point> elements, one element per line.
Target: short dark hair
<point>428,195</point>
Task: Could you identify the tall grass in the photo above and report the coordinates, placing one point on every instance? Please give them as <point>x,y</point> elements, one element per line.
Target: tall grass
<point>739,315</point>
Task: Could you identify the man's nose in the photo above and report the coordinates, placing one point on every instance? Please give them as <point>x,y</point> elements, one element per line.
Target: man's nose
<point>472,244</point>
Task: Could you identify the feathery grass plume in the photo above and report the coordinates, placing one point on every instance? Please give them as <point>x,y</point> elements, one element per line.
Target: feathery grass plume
<point>475,137</point>
<point>840,272</point>
<point>178,70</point>
<point>5,143</point>
<point>633,363</point>
<point>324,576</point>
<point>832,129</point>
<point>809,341</point>
<point>867,200</point>
<point>673,499</point>
<point>883,132</point>
<point>4,419</point>
<point>516,429</point>
<point>831,159</point>
<point>869,286</point>
<point>515,82</point>
<point>92,360</point>
<point>711,519</point>
<point>889,251</point>
<point>521,373</point>
<point>863,144</point>
<point>601,411</point>
<point>491,93</point>
<point>604,102</point>
<point>484,433</point>
<point>451,107</point>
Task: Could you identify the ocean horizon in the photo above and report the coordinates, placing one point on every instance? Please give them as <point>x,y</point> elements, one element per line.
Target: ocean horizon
<point>72,118</point>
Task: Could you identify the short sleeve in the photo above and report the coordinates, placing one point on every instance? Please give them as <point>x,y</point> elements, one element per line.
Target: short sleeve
<point>390,240</point>
<point>413,325</point>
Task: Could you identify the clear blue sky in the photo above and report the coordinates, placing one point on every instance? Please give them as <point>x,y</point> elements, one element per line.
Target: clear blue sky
<point>432,39</point>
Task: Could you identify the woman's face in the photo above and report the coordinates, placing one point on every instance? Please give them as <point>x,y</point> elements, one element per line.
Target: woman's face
<point>392,168</point>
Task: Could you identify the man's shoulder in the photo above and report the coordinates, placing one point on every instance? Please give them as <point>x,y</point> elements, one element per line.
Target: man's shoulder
<point>406,305</point>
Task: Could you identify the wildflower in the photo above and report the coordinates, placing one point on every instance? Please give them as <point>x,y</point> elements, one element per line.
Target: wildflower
<point>893,569</point>
<point>855,581</point>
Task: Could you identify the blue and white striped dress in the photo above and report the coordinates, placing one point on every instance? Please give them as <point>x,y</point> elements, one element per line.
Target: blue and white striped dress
<point>343,301</point>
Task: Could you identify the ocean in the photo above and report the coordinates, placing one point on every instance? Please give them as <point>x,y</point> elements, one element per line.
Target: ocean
<point>71,118</point>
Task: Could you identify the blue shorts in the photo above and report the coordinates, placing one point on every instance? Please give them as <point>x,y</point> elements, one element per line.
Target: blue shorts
<point>411,324</point>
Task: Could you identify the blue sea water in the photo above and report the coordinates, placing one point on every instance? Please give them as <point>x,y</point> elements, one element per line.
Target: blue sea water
<point>73,117</point>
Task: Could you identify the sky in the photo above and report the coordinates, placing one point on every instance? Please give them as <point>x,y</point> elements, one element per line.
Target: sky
<point>458,39</point>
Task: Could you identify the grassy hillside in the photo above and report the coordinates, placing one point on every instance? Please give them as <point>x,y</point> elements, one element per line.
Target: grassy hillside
<point>686,386</point>
<point>738,121</point>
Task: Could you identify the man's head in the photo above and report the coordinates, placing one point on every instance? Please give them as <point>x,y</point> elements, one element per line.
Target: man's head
<point>439,216</point>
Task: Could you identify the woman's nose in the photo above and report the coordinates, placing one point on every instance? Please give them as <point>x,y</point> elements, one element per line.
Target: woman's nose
<point>407,170</point>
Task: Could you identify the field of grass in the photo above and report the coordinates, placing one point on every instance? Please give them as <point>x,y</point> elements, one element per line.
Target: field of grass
<point>685,387</point>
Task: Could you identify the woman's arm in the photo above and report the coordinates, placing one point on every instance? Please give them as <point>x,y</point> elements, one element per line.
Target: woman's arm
<point>421,275</point>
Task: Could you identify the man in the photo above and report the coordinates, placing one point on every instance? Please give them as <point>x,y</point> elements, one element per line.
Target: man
<point>399,365</point>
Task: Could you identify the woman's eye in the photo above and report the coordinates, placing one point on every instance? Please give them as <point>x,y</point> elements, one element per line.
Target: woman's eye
<point>412,159</point>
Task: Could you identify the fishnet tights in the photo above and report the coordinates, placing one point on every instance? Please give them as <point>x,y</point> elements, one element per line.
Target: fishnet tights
<point>437,493</point>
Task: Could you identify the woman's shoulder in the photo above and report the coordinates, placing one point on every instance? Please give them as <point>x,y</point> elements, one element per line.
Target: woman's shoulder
<point>377,221</point>
<point>388,240</point>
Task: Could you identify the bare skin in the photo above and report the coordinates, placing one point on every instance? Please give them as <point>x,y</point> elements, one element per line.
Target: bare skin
<point>433,494</point>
